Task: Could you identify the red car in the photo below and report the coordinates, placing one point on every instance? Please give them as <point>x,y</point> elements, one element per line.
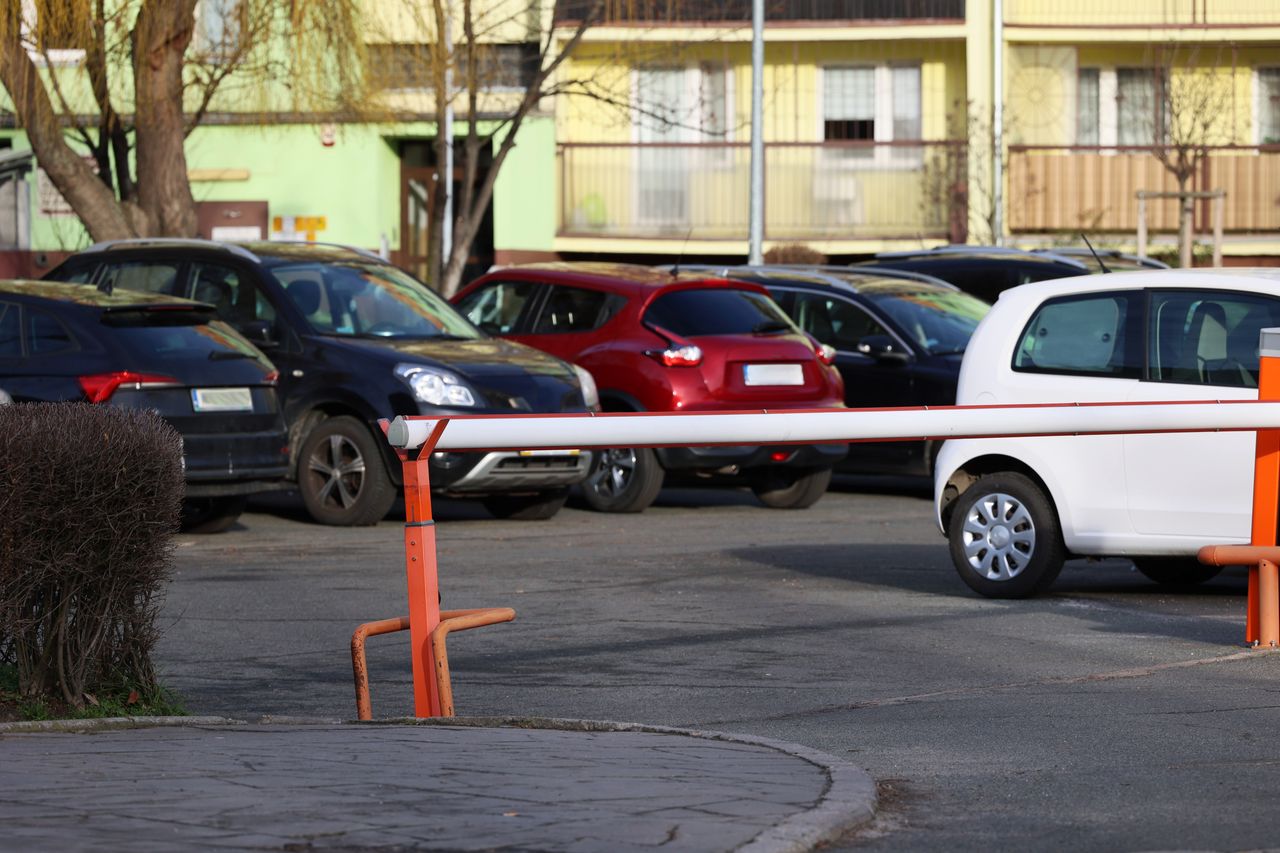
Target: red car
<point>662,342</point>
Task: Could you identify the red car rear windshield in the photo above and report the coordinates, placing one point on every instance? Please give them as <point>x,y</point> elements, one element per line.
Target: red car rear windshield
<point>717,311</point>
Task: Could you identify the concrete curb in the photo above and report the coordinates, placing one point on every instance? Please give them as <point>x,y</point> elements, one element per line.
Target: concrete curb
<point>102,724</point>
<point>848,802</point>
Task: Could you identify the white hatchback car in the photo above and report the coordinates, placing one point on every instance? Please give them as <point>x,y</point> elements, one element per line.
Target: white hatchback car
<point>1014,508</point>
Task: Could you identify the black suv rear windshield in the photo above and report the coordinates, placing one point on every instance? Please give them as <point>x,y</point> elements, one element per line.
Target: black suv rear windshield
<point>717,311</point>
<point>158,336</point>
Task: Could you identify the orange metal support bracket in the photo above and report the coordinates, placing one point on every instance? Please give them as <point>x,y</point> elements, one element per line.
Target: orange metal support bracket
<point>1263,574</point>
<point>427,626</point>
<point>450,621</point>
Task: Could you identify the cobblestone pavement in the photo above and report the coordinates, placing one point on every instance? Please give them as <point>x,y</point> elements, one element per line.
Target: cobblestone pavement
<point>219,785</point>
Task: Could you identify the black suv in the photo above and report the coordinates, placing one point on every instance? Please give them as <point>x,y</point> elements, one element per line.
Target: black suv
<point>898,340</point>
<point>62,342</point>
<point>984,271</point>
<point>357,339</point>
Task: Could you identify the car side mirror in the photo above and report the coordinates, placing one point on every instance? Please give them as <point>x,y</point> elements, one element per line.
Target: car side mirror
<point>883,349</point>
<point>261,333</point>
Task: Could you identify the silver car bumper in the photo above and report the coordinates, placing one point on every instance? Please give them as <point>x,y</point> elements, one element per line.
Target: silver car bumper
<point>510,471</point>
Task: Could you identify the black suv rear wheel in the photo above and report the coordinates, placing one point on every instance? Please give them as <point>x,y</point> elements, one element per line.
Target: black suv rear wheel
<point>535,507</point>
<point>341,475</point>
<point>788,488</point>
<point>211,515</point>
<point>623,479</point>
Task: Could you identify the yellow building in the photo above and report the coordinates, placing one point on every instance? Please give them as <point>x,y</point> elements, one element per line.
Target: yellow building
<point>877,128</point>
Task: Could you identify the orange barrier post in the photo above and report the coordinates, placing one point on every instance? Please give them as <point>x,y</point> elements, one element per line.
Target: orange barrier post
<point>421,573</point>
<point>427,625</point>
<point>1266,491</point>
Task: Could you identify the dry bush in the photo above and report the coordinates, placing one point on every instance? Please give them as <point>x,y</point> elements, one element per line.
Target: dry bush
<point>89,500</point>
<point>794,253</point>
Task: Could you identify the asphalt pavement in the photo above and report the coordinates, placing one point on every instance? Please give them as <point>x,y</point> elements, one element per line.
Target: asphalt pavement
<point>1110,715</point>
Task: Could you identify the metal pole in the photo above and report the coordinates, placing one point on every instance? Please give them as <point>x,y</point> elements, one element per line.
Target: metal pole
<point>446,128</point>
<point>1219,202</point>
<point>755,223</point>
<point>997,122</point>
<point>1142,225</point>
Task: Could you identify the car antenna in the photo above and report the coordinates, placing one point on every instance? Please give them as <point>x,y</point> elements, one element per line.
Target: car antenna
<point>1095,254</point>
<point>675,268</point>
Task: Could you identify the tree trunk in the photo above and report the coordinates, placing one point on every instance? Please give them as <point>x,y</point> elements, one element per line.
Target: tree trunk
<point>160,38</point>
<point>91,199</point>
<point>1186,208</point>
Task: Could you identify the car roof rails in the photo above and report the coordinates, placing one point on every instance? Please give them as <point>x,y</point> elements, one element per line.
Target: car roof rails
<point>965,249</point>
<point>364,253</point>
<point>193,242</point>
<point>910,275</point>
<point>1067,253</point>
<point>829,273</point>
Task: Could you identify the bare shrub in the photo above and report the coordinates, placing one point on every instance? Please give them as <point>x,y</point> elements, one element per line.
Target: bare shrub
<point>89,500</point>
<point>794,253</point>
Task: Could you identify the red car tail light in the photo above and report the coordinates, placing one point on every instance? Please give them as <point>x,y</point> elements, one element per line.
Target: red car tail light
<point>272,378</point>
<point>99,387</point>
<point>826,353</point>
<point>683,356</point>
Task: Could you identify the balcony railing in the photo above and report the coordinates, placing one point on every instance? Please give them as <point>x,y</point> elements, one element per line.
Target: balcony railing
<point>1142,13</point>
<point>813,191</point>
<point>1092,189</point>
<point>739,11</point>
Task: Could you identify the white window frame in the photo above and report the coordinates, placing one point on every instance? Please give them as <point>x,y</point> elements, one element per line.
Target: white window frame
<point>883,157</point>
<point>214,53</point>
<point>1257,100</point>
<point>57,57</point>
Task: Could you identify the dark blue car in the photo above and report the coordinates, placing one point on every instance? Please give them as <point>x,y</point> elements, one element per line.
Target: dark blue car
<point>356,340</point>
<point>61,342</point>
<point>898,341</point>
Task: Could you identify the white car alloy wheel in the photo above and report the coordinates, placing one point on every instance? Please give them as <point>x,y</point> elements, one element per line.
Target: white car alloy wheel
<point>1005,538</point>
<point>999,536</point>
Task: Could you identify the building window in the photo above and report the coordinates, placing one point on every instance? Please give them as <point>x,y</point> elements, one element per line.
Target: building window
<point>218,29</point>
<point>848,103</point>
<point>1087,106</point>
<point>678,105</point>
<point>681,104</point>
<point>880,104</point>
<point>1120,106</point>
<point>1139,106</point>
<point>1269,106</point>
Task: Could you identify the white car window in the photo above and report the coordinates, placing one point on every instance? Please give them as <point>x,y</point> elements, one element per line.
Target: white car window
<point>1208,337</point>
<point>1083,335</point>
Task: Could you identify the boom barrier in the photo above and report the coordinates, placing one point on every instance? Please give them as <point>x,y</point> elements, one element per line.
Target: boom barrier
<point>416,438</point>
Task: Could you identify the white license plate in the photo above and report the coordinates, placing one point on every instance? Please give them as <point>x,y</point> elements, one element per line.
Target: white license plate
<point>550,452</point>
<point>221,400</point>
<point>773,374</point>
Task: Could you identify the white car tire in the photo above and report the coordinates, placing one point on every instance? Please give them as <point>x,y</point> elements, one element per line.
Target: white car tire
<point>1005,538</point>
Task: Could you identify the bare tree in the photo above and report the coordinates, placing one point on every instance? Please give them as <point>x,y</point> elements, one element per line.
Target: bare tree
<point>1192,115</point>
<point>150,82</point>
<point>459,61</point>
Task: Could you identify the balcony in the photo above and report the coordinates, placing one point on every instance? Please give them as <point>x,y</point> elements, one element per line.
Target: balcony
<point>1092,189</point>
<point>1094,14</point>
<point>776,11</point>
<point>813,191</point>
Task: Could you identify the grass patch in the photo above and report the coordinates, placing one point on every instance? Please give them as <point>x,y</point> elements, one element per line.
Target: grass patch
<point>121,700</point>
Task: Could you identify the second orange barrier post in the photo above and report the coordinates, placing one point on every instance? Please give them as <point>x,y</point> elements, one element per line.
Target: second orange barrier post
<point>1266,492</point>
